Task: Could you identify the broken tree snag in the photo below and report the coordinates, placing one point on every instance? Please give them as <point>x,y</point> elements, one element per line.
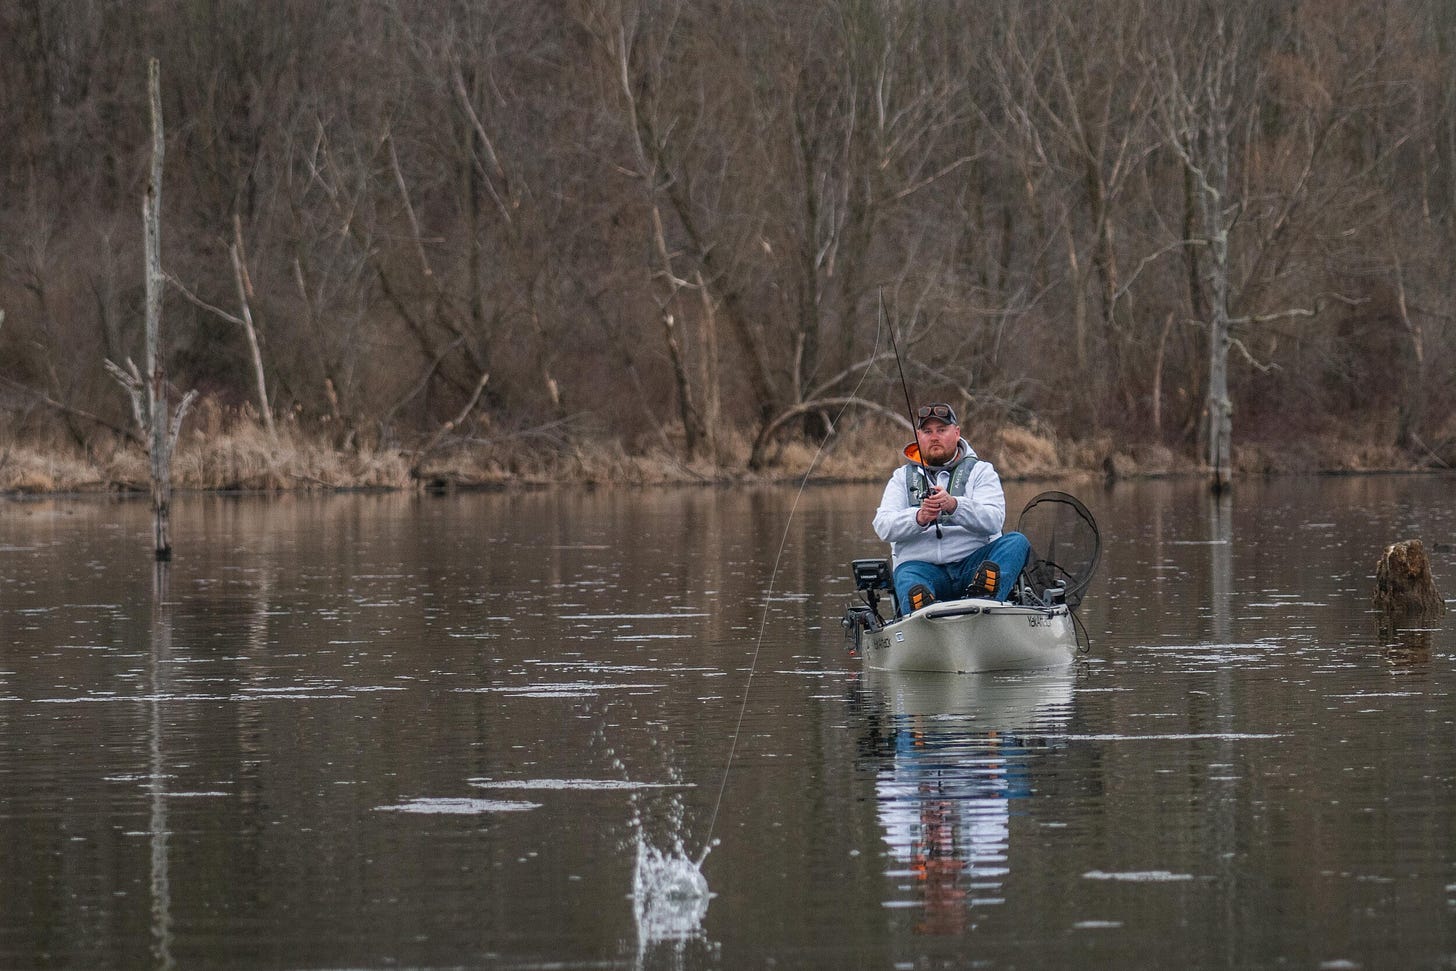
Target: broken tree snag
<point>1403,581</point>
<point>160,430</point>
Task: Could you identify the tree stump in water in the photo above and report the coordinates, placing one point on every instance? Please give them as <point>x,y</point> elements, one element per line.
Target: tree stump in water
<point>1403,583</point>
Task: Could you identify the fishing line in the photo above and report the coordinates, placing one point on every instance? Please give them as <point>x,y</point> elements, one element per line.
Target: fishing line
<point>768,595</point>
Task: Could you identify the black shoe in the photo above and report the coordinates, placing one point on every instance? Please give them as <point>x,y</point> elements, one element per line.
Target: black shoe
<point>920,596</point>
<point>984,583</point>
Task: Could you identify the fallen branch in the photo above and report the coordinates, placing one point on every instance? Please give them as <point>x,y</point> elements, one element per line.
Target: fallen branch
<point>755,459</point>
<point>419,457</point>
<point>1434,456</point>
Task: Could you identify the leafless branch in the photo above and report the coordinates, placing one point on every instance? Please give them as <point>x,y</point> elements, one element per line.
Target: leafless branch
<point>199,302</point>
<point>458,82</point>
<point>824,404</point>
<point>176,427</point>
<point>1151,258</point>
<point>409,209</point>
<point>419,457</point>
<point>65,409</point>
<point>1248,356</point>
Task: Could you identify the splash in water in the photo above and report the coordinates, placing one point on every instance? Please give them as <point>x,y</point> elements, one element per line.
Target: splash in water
<point>669,892</point>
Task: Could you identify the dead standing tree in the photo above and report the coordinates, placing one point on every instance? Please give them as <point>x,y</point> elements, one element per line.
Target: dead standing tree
<point>151,411</point>
<point>1199,114</point>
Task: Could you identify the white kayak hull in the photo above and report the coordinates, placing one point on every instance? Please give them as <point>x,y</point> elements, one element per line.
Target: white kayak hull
<point>968,636</point>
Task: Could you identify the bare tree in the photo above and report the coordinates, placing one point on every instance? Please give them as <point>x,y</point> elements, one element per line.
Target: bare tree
<point>159,425</point>
<point>1079,102</point>
<point>243,319</point>
<point>1167,200</point>
<point>615,32</point>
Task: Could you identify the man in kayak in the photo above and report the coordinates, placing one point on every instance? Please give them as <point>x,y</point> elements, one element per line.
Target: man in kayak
<point>942,514</point>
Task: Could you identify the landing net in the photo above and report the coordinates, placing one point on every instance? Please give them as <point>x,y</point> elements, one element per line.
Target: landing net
<point>1065,545</point>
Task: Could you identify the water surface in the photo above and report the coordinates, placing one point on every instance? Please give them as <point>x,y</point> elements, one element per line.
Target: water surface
<point>491,730</point>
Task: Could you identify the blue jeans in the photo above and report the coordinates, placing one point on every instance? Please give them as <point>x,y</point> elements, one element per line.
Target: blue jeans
<point>949,581</point>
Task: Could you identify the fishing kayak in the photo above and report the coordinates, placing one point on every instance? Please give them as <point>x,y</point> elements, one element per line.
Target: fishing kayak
<point>1035,629</point>
<point>968,636</point>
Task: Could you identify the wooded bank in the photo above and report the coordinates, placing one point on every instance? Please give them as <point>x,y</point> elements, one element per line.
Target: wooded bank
<point>477,241</point>
<point>231,452</point>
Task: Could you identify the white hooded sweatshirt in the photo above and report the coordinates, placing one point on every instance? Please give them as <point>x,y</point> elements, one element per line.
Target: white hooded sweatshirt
<point>977,520</point>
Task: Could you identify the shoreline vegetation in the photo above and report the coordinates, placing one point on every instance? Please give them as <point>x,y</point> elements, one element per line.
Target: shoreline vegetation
<point>434,246</point>
<point>229,452</point>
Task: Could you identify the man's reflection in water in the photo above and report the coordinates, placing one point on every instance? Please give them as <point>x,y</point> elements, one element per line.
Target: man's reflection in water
<point>949,765</point>
<point>944,805</point>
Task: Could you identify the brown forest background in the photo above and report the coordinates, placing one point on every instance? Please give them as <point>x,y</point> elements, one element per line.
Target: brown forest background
<point>483,240</point>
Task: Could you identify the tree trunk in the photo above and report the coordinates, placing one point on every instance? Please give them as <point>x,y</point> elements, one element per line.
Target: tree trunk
<point>708,372</point>
<point>245,311</point>
<point>1079,297</point>
<point>1220,407</point>
<point>1403,583</point>
<point>161,459</point>
<point>148,391</point>
<point>1217,219</point>
<point>1157,393</point>
<point>694,431</point>
<point>1411,412</point>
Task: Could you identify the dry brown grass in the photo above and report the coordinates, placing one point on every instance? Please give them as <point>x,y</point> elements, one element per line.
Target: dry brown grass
<point>25,469</point>
<point>1021,452</point>
<point>244,459</point>
<point>223,449</point>
<point>1329,453</point>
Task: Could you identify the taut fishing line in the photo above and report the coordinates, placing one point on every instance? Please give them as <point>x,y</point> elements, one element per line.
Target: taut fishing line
<point>768,595</point>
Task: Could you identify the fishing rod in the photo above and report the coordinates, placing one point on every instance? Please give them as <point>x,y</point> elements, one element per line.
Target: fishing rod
<point>909,408</point>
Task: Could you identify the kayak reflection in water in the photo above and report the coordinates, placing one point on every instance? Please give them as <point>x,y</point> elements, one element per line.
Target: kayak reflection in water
<point>945,810</point>
<point>953,754</point>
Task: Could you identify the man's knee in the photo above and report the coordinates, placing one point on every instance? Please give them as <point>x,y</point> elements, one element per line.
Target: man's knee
<point>908,576</point>
<point>1009,554</point>
<point>1012,549</point>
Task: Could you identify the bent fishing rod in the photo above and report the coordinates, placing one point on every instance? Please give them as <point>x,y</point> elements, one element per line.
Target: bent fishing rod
<point>909,408</point>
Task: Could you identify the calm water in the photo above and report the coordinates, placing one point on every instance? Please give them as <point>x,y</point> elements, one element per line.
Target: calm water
<point>497,731</point>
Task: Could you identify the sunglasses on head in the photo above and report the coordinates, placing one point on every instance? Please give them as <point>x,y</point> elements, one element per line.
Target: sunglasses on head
<point>942,412</point>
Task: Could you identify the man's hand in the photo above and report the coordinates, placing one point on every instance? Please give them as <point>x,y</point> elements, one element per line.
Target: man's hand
<point>933,505</point>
